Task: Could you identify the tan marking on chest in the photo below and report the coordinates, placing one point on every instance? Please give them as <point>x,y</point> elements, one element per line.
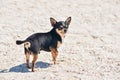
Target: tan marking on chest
<point>58,44</point>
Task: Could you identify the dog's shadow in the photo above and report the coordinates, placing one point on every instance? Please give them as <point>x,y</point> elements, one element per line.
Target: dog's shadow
<point>22,67</point>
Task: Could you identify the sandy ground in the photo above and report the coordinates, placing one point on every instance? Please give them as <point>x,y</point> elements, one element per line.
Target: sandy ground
<point>90,51</point>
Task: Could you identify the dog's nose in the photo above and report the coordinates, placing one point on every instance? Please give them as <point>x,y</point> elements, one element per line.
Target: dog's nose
<point>65,30</point>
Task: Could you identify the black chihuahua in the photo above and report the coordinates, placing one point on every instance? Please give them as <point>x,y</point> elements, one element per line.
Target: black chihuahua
<point>49,41</point>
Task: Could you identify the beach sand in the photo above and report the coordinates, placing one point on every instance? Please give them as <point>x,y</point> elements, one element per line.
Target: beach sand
<point>90,50</point>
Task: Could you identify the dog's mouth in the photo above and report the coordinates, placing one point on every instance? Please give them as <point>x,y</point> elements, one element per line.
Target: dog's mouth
<point>61,32</point>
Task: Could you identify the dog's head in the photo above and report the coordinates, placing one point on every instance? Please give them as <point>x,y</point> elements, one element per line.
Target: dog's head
<point>61,27</point>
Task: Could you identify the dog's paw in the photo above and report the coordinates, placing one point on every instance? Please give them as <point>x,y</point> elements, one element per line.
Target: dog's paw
<point>35,70</point>
<point>55,62</point>
<point>28,67</point>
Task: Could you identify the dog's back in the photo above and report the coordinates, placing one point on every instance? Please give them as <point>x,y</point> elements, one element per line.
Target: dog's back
<point>43,41</point>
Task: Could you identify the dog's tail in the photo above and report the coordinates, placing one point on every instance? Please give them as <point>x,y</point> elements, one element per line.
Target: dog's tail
<point>18,42</point>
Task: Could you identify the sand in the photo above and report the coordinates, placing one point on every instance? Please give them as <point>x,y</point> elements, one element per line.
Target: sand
<point>90,50</point>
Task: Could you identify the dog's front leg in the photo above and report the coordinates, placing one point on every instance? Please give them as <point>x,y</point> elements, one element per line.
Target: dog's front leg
<point>54,53</point>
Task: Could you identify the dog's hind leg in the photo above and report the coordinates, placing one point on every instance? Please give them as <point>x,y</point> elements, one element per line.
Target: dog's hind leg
<point>35,57</point>
<point>27,54</point>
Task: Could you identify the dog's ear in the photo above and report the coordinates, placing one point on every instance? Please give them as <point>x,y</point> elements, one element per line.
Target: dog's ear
<point>52,21</point>
<point>68,20</point>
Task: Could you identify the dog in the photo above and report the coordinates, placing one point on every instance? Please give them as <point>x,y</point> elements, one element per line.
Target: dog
<point>49,41</point>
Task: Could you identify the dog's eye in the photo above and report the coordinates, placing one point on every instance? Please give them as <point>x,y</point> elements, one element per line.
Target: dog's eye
<point>60,28</point>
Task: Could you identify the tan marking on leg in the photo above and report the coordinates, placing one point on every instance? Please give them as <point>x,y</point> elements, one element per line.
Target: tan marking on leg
<point>54,54</point>
<point>27,54</point>
<point>35,57</point>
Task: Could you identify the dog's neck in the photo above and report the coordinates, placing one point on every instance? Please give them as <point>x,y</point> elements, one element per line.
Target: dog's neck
<point>55,35</point>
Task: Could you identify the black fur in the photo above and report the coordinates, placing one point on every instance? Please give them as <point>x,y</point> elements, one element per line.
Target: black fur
<point>45,41</point>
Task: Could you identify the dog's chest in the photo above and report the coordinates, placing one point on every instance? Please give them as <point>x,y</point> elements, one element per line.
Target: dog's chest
<point>58,44</point>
